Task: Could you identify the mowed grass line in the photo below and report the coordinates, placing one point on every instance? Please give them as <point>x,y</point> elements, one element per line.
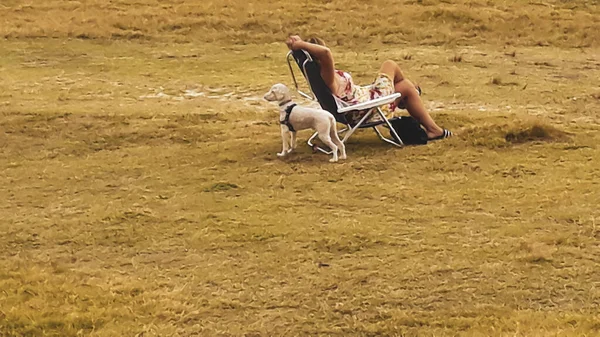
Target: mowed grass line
<point>111,77</point>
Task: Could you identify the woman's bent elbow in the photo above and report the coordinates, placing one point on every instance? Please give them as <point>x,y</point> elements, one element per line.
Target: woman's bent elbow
<point>327,54</point>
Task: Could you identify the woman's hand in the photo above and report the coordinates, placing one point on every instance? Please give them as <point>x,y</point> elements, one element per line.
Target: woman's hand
<point>292,42</point>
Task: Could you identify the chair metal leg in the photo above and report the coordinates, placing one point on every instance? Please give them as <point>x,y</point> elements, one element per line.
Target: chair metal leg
<point>350,130</point>
<point>387,140</point>
<point>313,146</point>
<point>360,122</point>
<point>317,147</point>
<point>398,143</point>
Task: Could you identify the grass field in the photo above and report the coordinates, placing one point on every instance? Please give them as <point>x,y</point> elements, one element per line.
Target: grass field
<point>141,193</point>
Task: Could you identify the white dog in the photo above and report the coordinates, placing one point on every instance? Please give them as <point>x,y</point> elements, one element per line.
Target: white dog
<point>294,118</point>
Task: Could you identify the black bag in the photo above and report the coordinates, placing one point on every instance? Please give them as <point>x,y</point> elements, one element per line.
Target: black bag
<point>409,130</point>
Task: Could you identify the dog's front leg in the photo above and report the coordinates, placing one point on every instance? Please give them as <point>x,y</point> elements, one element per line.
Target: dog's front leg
<point>293,141</point>
<point>284,139</point>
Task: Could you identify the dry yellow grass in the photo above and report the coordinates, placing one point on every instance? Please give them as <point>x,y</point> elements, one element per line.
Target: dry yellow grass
<point>393,22</point>
<point>141,194</point>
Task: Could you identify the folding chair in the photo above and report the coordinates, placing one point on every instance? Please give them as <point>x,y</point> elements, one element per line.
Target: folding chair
<point>338,108</point>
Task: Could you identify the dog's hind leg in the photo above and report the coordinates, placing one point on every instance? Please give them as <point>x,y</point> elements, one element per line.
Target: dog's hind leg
<point>336,139</point>
<point>324,136</point>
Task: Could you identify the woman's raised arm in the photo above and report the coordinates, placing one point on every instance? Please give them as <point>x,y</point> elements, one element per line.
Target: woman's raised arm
<point>322,54</point>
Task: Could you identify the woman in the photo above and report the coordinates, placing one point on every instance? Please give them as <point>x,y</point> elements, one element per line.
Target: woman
<point>389,80</point>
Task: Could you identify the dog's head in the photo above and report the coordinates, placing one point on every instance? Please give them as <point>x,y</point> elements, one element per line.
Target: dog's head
<point>278,93</point>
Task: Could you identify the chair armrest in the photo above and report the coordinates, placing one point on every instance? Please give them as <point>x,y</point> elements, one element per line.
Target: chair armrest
<point>371,104</point>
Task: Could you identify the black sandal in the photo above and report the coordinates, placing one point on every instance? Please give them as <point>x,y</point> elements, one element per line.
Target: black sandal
<point>444,135</point>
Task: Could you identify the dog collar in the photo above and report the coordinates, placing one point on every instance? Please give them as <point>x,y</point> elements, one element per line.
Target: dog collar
<point>284,103</point>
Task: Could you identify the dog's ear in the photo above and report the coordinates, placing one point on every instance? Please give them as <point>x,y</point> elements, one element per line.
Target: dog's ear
<point>277,94</point>
<point>283,92</point>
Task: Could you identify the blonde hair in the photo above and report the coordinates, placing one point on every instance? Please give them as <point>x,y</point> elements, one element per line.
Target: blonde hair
<point>316,40</point>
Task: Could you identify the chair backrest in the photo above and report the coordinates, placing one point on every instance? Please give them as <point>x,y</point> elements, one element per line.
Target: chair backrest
<point>312,73</point>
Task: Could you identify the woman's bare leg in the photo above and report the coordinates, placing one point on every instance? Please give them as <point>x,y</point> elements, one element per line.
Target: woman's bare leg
<point>411,98</point>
